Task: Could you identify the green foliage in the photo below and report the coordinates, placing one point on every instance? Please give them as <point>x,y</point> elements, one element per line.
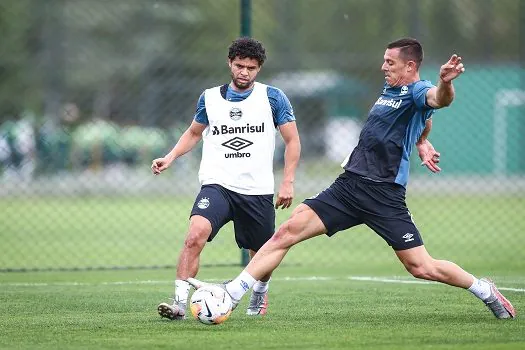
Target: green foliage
<point>141,56</point>
<point>17,72</point>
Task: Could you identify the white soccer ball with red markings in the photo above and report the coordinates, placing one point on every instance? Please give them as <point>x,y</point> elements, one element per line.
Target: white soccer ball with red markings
<point>211,305</point>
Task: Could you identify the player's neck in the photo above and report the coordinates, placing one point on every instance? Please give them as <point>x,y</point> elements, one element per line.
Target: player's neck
<point>410,79</point>
<point>240,91</point>
<point>406,80</point>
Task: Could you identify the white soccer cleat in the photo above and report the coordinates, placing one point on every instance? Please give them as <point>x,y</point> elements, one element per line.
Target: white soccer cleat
<point>195,283</point>
<point>258,304</point>
<point>175,311</point>
<point>497,303</point>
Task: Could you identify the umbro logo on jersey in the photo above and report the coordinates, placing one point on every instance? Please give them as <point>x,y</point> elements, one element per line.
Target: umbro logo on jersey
<point>245,129</point>
<point>237,144</point>
<point>408,237</point>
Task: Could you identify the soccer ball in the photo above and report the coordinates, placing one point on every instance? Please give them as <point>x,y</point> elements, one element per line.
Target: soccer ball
<point>211,305</point>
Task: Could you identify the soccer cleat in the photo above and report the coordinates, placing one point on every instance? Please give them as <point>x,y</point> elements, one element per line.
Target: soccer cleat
<point>175,311</point>
<point>258,304</point>
<point>497,303</point>
<point>195,283</point>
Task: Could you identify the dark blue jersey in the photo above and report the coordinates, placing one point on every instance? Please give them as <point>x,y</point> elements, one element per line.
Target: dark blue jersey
<point>394,124</point>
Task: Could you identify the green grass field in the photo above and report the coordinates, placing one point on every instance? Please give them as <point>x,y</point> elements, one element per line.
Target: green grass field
<point>342,308</point>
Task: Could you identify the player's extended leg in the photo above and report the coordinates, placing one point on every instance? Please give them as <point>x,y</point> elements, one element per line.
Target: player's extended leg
<point>259,299</point>
<point>188,266</point>
<point>420,264</point>
<point>302,225</point>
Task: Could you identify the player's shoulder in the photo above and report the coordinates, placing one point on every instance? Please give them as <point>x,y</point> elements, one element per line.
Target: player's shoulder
<point>218,87</point>
<point>422,84</point>
<point>274,92</point>
<point>214,91</point>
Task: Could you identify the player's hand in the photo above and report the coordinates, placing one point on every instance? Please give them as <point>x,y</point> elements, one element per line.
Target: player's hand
<point>452,69</point>
<point>285,195</point>
<point>429,156</point>
<point>159,165</point>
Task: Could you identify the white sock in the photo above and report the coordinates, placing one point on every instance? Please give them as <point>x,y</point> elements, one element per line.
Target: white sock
<point>240,285</point>
<point>261,287</point>
<point>182,290</point>
<point>480,288</point>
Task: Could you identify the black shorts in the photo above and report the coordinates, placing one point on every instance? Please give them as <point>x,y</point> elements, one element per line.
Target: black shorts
<point>253,216</point>
<point>352,200</point>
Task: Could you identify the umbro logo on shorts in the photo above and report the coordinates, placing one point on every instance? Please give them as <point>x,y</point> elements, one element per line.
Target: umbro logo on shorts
<point>408,237</point>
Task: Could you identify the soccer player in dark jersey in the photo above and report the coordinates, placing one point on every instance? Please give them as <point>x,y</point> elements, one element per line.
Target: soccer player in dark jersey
<point>237,122</point>
<point>371,190</point>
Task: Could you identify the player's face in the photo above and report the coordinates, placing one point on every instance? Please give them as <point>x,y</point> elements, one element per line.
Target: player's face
<point>244,71</point>
<point>394,67</point>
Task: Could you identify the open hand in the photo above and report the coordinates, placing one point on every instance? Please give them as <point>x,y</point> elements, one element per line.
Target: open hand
<point>429,156</point>
<point>452,69</point>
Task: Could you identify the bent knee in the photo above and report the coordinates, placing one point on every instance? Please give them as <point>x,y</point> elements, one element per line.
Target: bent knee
<point>284,236</point>
<point>198,234</point>
<point>194,242</point>
<point>418,272</point>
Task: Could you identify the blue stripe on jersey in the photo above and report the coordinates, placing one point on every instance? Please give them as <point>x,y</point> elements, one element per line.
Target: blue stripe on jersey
<point>415,128</point>
<point>282,110</point>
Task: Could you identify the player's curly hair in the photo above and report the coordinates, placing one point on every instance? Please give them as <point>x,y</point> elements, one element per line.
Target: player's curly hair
<point>246,47</point>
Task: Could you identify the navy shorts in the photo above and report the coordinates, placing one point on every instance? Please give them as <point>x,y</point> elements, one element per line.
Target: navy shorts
<point>253,216</point>
<point>353,200</point>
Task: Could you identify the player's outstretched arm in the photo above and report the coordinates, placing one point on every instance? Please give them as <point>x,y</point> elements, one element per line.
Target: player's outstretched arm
<point>292,154</point>
<point>443,95</point>
<point>187,141</point>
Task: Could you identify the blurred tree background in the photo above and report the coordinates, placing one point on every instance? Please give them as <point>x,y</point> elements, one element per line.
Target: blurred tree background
<point>125,59</point>
<point>92,91</point>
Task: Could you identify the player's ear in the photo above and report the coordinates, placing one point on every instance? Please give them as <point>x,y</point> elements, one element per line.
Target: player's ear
<point>411,66</point>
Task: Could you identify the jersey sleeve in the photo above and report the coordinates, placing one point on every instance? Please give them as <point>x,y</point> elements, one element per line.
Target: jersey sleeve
<point>419,93</point>
<point>281,107</point>
<point>200,114</point>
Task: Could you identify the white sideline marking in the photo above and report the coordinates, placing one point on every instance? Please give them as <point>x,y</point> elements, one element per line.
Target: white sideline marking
<point>307,278</point>
<point>389,280</point>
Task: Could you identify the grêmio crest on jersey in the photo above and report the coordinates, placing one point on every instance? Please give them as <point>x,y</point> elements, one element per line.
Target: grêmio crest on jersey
<point>235,113</point>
